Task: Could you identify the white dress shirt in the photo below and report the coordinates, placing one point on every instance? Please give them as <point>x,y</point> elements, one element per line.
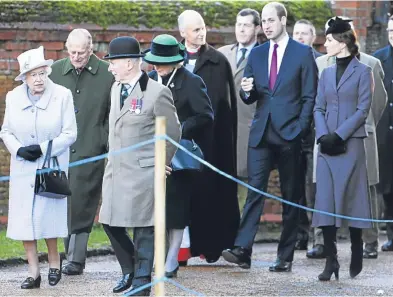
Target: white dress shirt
<point>239,52</point>
<point>282,45</point>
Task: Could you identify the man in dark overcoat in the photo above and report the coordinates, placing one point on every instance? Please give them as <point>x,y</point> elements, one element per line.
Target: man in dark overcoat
<point>385,136</point>
<point>90,82</point>
<point>215,210</point>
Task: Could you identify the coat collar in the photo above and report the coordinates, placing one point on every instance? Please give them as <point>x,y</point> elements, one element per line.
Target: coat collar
<point>388,53</point>
<point>206,53</point>
<point>91,66</point>
<point>347,73</point>
<point>137,92</point>
<point>25,102</point>
<point>233,58</point>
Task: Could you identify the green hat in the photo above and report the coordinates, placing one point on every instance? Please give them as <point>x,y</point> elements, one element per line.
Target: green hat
<point>164,50</point>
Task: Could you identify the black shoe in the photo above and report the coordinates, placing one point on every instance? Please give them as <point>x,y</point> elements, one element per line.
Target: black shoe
<point>239,256</point>
<point>183,263</point>
<point>356,265</point>
<point>387,246</point>
<point>72,268</point>
<point>317,252</point>
<point>331,266</point>
<point>301,245</point>
<point>370,251</point>
<point>130,292</point>
<point>31,283</point>
<point>281,266</point>
<point>54,275</point>
<point>124,283</point>
<point>172,273</point>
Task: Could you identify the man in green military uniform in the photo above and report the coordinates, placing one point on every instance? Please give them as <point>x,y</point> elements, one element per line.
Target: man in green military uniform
<point>90,82</point>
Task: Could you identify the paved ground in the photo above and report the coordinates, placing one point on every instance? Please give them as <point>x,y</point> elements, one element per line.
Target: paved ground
<point>223,279</point>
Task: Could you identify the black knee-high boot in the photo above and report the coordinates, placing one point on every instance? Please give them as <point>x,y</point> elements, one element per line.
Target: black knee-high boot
<point>332,265</point>
<point>356,265</point>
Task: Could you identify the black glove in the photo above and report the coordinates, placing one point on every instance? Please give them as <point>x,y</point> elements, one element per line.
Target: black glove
<point>30,153</point>
<point>332,144</point>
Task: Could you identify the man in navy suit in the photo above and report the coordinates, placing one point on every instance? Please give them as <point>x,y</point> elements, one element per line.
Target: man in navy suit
<point>281,76</point>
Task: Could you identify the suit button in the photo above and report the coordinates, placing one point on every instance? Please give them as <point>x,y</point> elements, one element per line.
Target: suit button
<point>73,151</point>
<point>76,110</point>
<point>77,91</point>
<point>390,104</point>
<point>32,110</point>
<point>32,136</point>
<point>32,185</point>
<point>390,128</point>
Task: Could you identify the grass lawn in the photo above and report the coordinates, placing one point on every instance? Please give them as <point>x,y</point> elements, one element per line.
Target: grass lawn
<point>12,248</point>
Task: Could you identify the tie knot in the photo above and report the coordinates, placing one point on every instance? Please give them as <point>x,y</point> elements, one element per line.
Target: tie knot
<point>243,50</point>
<point>275,46</point>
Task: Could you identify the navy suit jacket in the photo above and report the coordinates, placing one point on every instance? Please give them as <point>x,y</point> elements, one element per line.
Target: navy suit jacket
<point>290,104</point>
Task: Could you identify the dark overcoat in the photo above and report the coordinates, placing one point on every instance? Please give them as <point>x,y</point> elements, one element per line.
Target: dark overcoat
<point>385,125</point>
<point>91,92</point>
<point>215,214</point>
<point>195,113</point>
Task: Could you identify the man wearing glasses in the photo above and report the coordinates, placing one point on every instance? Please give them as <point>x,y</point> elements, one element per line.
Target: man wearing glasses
<point>90,82</point>
<point>385,137</point>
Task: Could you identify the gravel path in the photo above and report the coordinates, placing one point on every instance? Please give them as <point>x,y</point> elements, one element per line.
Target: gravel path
<point>222,278</point>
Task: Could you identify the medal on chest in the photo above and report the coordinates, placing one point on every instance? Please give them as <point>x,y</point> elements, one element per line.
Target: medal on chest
<point>136,106</point>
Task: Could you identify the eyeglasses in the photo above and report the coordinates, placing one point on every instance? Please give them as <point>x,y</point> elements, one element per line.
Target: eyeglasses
<point>40,75</point>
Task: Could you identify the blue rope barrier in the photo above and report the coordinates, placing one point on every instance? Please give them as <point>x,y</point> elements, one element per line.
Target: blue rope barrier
<point>88,160</point>
<point>267,194</point>
<point>180,286</point>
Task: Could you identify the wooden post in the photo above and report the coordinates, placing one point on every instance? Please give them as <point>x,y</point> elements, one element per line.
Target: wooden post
<point>159,206</point>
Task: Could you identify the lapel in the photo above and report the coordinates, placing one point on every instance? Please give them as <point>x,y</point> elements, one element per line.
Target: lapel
<point>207,53</point>
<point>289,54</point>
<point>232,57</point>
<point>243,64</point>
<point>136,93</point>
<point>348,72</point>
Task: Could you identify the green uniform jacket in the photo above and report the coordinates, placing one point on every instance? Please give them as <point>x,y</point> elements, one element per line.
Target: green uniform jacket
<point>91,92</point>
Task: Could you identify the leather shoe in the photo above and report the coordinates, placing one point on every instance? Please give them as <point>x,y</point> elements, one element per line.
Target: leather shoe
<point>281,266</point>
<point>54,275</point>
<point>31,283</point>
<point>387,246</point>
<point>301,245</point>
<point>317,252</point>
<point>124,283</point>
<point>239,256</point>
<point>72,268</point>
<point>172,273</point>
<point>130,292</point>
<point>370,251</point>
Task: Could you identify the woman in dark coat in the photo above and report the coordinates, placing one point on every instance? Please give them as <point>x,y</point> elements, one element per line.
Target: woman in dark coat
<point>342,105</point>
<point>195,113</point>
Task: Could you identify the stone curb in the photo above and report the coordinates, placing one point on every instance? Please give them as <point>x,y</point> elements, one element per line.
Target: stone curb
<point>43,257</point>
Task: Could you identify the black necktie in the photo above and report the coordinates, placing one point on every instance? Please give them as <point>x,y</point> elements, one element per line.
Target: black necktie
<point>244,50</point>
<point>124,94</point>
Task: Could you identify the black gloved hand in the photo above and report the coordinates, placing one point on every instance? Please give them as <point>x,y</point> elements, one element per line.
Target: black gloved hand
<point>30,153</point>
<point>35,149</point>
<point>332,144</point>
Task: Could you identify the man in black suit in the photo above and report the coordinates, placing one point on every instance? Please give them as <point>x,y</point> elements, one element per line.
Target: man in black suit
<point>281,76</point>
<point>304,32</point>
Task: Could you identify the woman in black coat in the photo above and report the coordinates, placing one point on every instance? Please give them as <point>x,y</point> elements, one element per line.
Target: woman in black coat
<point>195,113</point>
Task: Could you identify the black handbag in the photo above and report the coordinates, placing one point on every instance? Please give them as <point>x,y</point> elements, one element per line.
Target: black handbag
<point>183,161</point>
<point>52,184</point>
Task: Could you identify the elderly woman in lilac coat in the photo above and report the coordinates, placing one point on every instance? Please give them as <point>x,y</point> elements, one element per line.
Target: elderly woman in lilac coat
<point>342,105</point>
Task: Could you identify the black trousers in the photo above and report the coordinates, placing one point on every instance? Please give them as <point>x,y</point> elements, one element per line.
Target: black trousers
<point>286,154</point>
<point>135,257</point>
<point>388,201</point>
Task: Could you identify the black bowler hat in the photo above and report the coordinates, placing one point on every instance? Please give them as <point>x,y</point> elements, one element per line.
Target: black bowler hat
<point>124,47</point>
<point>337,25</point>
